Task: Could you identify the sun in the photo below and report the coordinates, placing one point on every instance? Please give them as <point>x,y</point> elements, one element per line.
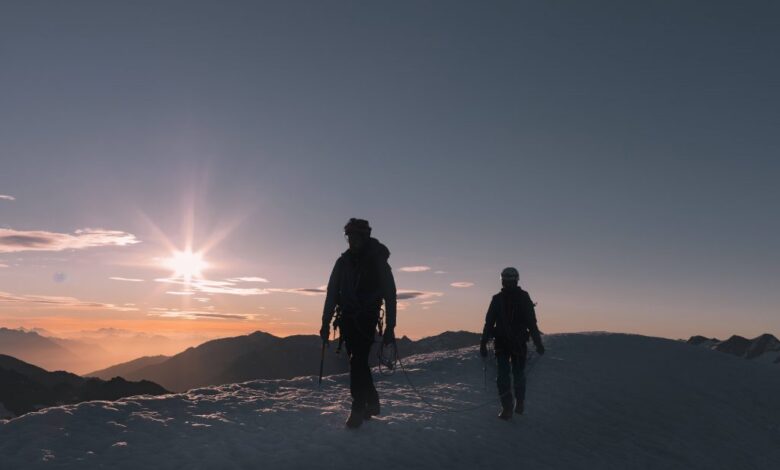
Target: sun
<point>186,264</point>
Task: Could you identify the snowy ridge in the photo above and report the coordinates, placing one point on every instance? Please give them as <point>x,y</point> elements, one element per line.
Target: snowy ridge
<point>594,401</point>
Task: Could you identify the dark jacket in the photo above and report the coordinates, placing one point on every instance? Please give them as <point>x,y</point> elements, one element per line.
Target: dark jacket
<point>511,319</point>
<point>359,283</point>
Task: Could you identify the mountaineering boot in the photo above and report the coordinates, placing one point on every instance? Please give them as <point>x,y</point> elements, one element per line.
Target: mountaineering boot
<point>506,413</point>
<point>506,407</point>
<point>356,415</point>
<point>355,419</point>
<point>519,407</point>
<point>372,407</point>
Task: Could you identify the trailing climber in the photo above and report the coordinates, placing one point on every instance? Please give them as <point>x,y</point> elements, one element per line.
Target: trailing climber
<point>511,320</point>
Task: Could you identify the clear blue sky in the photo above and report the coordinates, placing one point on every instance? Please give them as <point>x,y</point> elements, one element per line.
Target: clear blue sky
<point>623,155</point>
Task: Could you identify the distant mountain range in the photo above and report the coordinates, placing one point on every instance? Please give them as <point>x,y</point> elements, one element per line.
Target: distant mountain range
<point>32,347</point>
<point>86,350</point>
<point>260,356</point>
<point>25,387</point>
<point>764,348</point>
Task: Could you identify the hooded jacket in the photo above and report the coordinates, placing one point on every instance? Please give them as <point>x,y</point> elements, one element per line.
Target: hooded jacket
<point>511,318</point>
<point>360,282</point>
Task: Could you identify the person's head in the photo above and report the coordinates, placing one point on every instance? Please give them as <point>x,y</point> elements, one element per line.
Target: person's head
<point>509,277</point>
<point>357,232</point>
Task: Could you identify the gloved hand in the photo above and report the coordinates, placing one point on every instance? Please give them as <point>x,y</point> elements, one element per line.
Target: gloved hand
<point>540,349</point>
<point>389,336</point>
<point>483,348</point>
<point>325,331</point>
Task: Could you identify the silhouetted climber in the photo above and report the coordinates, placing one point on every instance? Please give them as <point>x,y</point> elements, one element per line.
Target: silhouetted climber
<point>511,319</point>
<point>360,280</point>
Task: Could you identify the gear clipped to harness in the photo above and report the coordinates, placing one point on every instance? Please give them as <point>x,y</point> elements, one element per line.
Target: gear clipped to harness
<point>387,355</point>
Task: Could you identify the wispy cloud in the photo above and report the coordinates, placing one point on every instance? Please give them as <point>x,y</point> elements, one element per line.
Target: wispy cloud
<point>248,279</point>
<point>3,265</point>
<point>196,314</point>
<point>440,272</point>
<point>414,269</point>
<point>213,287</point>
<point>462,284</point>
<point>231,286</point>
<point>302,290</point>
<point>60,302</point>
<point>126,279</point>
<point>404,294</point>
<point>38,240</point>
<point>180,292</point>
<point>6,197</point>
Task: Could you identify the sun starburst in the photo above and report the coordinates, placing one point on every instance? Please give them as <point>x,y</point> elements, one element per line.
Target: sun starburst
<point>186,264</point>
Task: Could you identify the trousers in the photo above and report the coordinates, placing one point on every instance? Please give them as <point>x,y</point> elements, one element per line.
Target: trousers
<point>358,332</point>
<point>510,361</point>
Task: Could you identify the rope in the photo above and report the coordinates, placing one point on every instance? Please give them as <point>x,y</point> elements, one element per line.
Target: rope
<point>446,409</point>
<point>390,361</point>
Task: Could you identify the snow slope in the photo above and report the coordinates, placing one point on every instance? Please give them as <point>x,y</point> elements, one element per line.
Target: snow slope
<point>594,401</point>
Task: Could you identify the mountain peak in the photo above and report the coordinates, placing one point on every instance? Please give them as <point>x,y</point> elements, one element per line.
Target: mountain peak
<point>740,346</point>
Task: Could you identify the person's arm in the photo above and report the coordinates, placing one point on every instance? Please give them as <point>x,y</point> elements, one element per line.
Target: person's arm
<point>331,297</point>
<point>389,295</point>
<point>487,330</point>
<point>533,328</point>
<point>490,321</point>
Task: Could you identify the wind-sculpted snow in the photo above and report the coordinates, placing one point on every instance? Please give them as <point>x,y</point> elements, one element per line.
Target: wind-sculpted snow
<point>594,401</point>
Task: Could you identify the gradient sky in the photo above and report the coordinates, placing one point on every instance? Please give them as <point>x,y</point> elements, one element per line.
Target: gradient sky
<point>622,155</point>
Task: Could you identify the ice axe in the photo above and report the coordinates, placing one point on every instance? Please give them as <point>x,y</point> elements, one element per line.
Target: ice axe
<point>322,359</point>
<point>484,370</point>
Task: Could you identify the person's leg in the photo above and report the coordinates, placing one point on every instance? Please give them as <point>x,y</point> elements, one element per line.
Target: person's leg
<point>368,327</point>
<point>359,372</point>
<point>518,378</point>
<point>360,382</point>
<point>503,383</point>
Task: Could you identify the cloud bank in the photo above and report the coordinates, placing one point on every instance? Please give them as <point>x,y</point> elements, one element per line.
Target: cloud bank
<point>38,240</point>
<point>60,302</point>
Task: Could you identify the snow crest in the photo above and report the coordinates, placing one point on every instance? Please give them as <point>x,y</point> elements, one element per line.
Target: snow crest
<point>594,401</point>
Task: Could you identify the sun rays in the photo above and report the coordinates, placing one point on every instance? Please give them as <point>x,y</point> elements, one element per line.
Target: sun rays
<point>186,264</point>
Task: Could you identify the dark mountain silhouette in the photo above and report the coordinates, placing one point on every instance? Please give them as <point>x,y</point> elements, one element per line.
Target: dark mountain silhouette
<point>762,344</point>
<point>736,345</point>
<point>25,387</point>
<point>264,356</point>
<point>126,368</point>
<point>742,347</point>
<point>698,339</point>
<point>441,342</point>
